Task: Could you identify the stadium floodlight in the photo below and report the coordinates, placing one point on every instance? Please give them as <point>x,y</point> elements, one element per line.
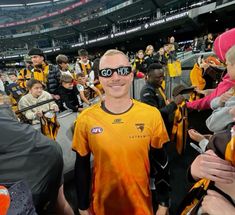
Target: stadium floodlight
<point>12,5</point>
<point>37,3</point>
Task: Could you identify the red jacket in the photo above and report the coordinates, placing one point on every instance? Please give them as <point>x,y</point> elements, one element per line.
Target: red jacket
<point>204,103</point>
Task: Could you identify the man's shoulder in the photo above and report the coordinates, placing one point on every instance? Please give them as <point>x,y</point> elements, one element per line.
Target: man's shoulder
<point>91,111</point>
<point>147,90</point>
<point>148,86</point>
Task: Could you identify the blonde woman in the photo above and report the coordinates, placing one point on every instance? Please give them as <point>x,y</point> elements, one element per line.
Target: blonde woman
<point>149,53</point>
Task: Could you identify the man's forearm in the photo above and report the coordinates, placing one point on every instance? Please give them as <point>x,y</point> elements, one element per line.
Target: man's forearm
<point>82,180</point>
<point>160,172</point>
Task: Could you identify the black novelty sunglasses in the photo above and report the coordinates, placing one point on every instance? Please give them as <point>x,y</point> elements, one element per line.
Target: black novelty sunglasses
<point>108,72</point>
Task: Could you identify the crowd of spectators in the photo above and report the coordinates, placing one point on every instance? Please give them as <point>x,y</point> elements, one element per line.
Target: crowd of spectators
<point>72,87</point>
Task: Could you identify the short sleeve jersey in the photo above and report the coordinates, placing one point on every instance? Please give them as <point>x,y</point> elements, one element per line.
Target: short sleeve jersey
<point>120,145</point>
<point>80,87</point>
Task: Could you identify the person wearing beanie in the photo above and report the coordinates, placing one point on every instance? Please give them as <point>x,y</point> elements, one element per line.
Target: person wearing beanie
<point>49,75</point>
<point>221,45</point>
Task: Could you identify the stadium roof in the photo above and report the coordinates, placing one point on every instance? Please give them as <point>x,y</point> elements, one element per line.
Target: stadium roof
<point>25,2</point>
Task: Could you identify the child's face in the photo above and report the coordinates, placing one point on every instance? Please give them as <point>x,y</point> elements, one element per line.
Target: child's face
<point>141,55</point>
<point>161,51</point>
<point>13,78</point>
<point>64,66</point>
<point>81,80</point>
<point>231,70</point>
<point>36,90</point>
<point>67,85</point>
<point>84,58</point>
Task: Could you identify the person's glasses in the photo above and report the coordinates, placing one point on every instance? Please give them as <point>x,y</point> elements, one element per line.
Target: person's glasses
<point>108,72</point>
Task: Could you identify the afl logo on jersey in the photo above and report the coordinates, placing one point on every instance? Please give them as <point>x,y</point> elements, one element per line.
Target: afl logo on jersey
<point>96,130</point>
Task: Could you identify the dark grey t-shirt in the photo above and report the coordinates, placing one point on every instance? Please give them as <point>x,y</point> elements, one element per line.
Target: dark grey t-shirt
<point>26,154</point>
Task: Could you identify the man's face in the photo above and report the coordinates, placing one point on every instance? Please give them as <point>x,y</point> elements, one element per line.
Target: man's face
<point>37,60</point>
<point>64,66</point>
<point>84,59</point>
<point>116,86</point>
<point>36,90</point>
<point>156,77</point>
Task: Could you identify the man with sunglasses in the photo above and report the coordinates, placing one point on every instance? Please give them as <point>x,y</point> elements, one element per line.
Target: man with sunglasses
<point>126,138</point>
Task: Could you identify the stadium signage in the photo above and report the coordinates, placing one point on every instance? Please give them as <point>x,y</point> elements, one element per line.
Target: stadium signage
<point>71,7</point>
<point>97,40</point>
<point>167,19</point>
<point>158,22</point>
<point>177,16</point>
<point>133,30</point>
<point>77,44</point>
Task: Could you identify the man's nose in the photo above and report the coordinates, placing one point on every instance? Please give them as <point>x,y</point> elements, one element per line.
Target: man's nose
<point>115,75</point>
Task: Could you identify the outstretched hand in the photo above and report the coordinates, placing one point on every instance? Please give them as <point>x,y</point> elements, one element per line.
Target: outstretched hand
<point>196,136</point>
<point>210,166</point>
<point>215,204</point>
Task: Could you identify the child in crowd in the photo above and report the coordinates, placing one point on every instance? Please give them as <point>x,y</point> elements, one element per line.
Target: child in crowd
<point>139,65</point>
<point>84,65</point>
<point>63,64</point>
<point>86,88</point>
<point>69,94</point>
<point>14,90</point>
<point>36,94</point>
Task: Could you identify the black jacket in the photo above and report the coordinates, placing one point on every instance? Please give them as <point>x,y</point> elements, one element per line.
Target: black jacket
<point>69,98</point>
<point>53,79</point>
<point>151,95</point>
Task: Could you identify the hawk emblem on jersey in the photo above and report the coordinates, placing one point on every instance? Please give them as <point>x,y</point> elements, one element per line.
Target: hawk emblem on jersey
<point>140,126</point>
<point>96,130</point>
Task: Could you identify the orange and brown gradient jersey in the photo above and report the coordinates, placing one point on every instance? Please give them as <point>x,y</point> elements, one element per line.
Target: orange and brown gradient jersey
<point>120,144</point>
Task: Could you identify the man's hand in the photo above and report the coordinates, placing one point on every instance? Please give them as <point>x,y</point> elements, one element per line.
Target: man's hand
<point>179,99</point>
<point>204,65</point>
<point>215,204</point>
<point>85,212</point>
<point>194,135</point>
<point>162,210</point>
<point>210,166</point>
<point>205,92</point>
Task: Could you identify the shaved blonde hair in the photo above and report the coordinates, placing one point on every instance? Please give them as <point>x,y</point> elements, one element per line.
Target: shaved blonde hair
<point>230,55</point>
<point>112,52</point>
